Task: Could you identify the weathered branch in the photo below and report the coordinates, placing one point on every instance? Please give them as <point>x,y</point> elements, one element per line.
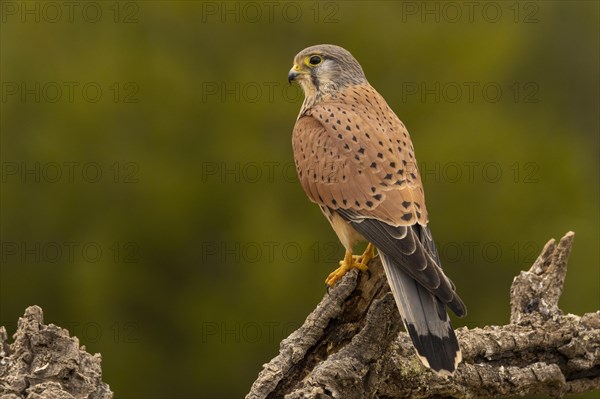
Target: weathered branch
<point>351,345</point>
<point>45,363</point>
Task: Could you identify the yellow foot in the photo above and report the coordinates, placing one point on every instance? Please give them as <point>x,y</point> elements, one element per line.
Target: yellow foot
<point>350,262</point>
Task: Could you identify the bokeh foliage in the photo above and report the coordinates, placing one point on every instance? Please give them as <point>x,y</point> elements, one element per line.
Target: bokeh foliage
<point>211,254</point>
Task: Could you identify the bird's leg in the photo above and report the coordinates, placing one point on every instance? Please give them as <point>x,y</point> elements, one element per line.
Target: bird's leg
<point>349,262</point>
<point>369,254</point>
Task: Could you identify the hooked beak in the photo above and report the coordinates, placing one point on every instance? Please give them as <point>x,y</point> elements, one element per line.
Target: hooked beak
<point>294,73</point>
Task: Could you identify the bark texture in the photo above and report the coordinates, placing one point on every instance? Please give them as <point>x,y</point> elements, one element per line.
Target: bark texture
<point>352,346</point>
<point>43,362</point>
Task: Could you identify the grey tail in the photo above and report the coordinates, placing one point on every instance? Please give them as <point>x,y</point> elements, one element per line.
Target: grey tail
<point>425,320</point>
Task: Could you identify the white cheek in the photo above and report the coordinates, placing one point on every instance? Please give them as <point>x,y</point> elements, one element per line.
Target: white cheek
<point>307,86</point>
<point>327,72</point>
<point>325,68</point>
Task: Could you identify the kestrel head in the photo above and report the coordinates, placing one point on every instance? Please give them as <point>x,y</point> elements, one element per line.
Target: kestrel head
<point>325,69</point>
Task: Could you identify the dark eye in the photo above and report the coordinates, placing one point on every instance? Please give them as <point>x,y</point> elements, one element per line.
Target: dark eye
<point>315,60</point>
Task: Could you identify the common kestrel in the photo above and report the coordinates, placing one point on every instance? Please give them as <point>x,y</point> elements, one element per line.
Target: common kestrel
<point>355,159</point>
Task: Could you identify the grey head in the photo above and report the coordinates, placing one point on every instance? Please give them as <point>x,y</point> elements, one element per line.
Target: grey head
<point>325,69</point>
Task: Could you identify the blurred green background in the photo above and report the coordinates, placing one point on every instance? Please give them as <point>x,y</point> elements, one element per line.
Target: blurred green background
<point>149,200</point>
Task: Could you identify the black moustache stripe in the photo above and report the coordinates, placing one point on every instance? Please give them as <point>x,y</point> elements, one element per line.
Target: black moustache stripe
<point>314,79</point>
